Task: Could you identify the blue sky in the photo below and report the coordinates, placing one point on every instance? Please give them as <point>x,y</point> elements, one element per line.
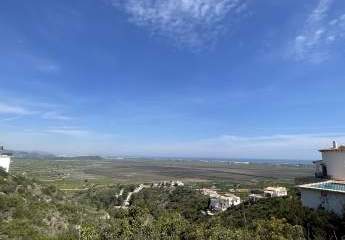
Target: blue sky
<point>210,78</point>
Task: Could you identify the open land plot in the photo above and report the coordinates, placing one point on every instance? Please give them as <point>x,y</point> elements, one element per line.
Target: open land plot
<point>70,173</point>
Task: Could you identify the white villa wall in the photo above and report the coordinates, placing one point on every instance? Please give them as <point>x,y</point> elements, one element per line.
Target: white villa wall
<point>5,162</point>
<point>335,162</point>
<point>275,191</point>
<point>221,203</point>
<point>331,201</point>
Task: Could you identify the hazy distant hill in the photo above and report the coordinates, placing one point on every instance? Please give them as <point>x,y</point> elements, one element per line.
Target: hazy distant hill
<point>79,158</point>
<point>49,156</point>
<point>31,155</point>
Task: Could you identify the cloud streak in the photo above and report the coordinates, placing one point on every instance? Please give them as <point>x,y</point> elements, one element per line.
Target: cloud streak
<point>191,23</point>
<point>14,109</point>
<point>76,140</point>
<point>72,132</point>
<point>287,146</point>
<point>316,42</point>
<point>52,115</point>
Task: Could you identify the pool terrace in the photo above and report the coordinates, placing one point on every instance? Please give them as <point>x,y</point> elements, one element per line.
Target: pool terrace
<point>332,186</point>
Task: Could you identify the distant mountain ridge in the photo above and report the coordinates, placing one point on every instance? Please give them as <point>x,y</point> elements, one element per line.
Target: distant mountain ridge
<point>91,157</point>
<point>49,156</point>
<point>31,155</point>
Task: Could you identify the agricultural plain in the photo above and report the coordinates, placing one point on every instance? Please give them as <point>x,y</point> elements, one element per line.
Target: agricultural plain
<point>73,173</point>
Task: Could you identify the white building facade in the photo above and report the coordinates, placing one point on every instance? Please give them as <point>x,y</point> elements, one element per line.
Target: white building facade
<point>329,194</point>
<point>222,203</point>
<point>275,192</point>
<point>5,160</point>
<point>334,160</point>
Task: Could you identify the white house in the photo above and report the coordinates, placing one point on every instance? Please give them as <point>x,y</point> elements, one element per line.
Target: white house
<point>329,194</point>
<point>275,191</point>
<point>5,160</point>
<point>221,203</point>
<point>333,159</point>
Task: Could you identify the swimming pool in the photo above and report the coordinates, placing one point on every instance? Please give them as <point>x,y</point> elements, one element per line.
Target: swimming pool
<point>333,186</point>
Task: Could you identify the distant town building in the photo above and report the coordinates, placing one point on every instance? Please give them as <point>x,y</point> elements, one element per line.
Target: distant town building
<point>176,183</point>
<point>5,159</point>
<point>180,183</point>
<point>166,184</point>
<point>275,191</point>
<point>329,194</point>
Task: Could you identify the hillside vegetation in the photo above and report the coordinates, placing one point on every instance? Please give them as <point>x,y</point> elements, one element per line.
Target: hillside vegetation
<point>32,210</point>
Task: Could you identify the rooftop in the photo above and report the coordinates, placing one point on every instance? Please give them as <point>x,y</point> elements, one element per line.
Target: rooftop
<point>338,149</point>
<point>230,195</point>
<point>331,186</point>
<point>334,148</point>
<point>275,189</point>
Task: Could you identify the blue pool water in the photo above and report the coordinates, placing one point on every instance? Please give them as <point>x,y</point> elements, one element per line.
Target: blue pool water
<point>331,186</point>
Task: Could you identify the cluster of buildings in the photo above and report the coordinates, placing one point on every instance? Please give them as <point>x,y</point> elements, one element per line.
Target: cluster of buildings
<point>269,192</point>
<point>221,202</point>
<point>5,159</point>
<point>328,191</point>
<point>168,184</point>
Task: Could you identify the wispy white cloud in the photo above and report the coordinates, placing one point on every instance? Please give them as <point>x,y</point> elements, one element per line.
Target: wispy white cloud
<point>320,33</point>
<point>53,115</point>
<point>14,109</point>
<point>191,23</point>
<point>69,131</point>
<point>77,140</point>
<point>71,140</point>
<point>280,146</point>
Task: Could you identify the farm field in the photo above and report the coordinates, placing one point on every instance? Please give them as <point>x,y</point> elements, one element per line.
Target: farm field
<point>74,173</point>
